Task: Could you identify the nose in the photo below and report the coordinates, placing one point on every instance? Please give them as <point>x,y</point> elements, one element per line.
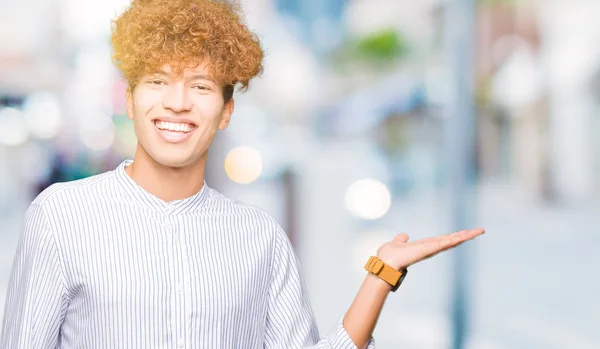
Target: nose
<point>177,99</point>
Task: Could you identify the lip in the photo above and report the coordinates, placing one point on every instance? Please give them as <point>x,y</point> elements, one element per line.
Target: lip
<point>171,119</point>
<point>174,137</point>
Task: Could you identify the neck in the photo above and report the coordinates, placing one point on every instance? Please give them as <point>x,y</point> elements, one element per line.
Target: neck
<point>166,183</point>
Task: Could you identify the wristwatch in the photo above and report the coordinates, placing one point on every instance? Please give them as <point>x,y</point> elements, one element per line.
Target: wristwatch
<point>385,272</point>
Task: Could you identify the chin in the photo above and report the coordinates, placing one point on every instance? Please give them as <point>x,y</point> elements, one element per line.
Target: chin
<point>173,162</point>
<point>172,157</point>
<point>177,160</point>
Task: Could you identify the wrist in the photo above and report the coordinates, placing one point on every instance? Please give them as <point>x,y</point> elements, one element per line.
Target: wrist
<point>385,272</point>
<point>376,284</point>
<point>391,261</point>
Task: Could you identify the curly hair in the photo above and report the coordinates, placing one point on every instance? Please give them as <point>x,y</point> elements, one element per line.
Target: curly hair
<point>183,33</point>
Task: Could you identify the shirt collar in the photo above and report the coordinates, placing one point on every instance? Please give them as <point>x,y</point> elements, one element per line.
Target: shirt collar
<point>139,194</point>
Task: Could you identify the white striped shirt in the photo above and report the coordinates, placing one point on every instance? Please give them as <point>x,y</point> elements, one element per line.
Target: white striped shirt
<point>102,263</point>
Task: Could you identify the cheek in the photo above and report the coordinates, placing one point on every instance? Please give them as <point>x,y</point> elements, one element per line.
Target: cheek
<point>145,101</point>
<point>141,123</point>
<point>210,111</point>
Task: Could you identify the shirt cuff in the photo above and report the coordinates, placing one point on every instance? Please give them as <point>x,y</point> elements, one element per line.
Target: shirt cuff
<point>340,339</point>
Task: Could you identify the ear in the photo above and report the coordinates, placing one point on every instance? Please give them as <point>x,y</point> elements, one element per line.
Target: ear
<point>226,114</point>
<point>129,102</point>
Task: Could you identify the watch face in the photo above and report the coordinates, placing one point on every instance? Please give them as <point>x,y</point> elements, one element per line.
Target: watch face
<point>404,272</point>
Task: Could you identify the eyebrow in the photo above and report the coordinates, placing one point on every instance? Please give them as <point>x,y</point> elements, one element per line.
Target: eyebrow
<point>190,78</point>
<point>200,77</point>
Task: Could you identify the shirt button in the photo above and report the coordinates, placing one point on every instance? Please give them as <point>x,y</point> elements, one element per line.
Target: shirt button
<point>181,343</point>
<point>179,288</point>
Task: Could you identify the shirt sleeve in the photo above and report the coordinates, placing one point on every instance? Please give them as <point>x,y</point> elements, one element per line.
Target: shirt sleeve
<point>290,319</point>
<point>36,298</point>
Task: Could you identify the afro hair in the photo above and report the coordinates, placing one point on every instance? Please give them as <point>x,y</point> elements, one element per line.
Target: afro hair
<point>184,33</point>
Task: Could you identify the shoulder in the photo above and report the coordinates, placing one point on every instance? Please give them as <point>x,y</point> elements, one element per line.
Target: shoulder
<point>58,194</point>
<point>252,218</point>
<point>231,207</point>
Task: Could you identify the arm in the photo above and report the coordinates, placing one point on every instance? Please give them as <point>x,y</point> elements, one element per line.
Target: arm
<point>290,320</point>
<point>362,316</point>
<point>36,299</point>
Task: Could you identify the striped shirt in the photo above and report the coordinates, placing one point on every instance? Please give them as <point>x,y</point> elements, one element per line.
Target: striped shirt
<point>102,263</point>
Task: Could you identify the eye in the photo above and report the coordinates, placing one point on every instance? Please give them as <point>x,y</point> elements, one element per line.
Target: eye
<point>156,82</point>
<point>201,88</point>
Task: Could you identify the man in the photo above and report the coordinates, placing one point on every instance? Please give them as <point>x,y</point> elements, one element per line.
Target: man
<point>147,255</point>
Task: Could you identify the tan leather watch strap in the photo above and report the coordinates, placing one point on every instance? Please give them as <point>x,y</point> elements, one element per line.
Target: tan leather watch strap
<point>385,272</point>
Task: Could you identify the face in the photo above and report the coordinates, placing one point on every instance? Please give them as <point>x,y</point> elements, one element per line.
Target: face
<point>176,118</point>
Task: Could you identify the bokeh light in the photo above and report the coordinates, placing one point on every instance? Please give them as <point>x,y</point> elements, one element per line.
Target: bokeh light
<point>43,115</point>
<point>243,164</point>
<point>368,199</point>
<point>98,134</point>
<point>13,130</point>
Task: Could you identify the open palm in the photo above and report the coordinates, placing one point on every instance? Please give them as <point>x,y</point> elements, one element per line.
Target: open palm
<point>400,254</point>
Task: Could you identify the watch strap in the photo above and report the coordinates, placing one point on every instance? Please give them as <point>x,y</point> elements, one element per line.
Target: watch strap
<point>388,274</point>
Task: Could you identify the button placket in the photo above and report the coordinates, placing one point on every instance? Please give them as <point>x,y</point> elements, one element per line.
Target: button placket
<point>179,294</point>
<point>175,259</point>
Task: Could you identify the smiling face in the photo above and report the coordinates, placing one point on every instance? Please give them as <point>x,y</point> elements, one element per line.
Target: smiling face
<point>176,117</point>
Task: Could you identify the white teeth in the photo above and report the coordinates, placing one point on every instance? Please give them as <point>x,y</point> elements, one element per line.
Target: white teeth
<point>174,126</point>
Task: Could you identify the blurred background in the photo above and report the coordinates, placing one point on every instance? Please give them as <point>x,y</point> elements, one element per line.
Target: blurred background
<point>373,117</point>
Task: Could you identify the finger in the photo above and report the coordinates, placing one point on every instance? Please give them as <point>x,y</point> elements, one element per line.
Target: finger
<point>441,243</point>
<point>431,247</point>
<point>436,253</point>
<point>444,250</point>
<point>440,251</point>
<point>464,236</point>
<point>450,240</point>
<point>402,238</point>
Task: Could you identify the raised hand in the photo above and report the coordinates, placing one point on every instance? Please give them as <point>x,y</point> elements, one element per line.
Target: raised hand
<point>400,254</point>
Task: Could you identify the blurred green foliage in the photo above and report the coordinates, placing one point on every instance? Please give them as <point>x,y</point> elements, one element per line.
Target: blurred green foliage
<point>378,48</point>
<point>383,45</point>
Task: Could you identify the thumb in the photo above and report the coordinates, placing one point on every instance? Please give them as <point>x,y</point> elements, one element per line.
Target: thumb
<point>401,238</point>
